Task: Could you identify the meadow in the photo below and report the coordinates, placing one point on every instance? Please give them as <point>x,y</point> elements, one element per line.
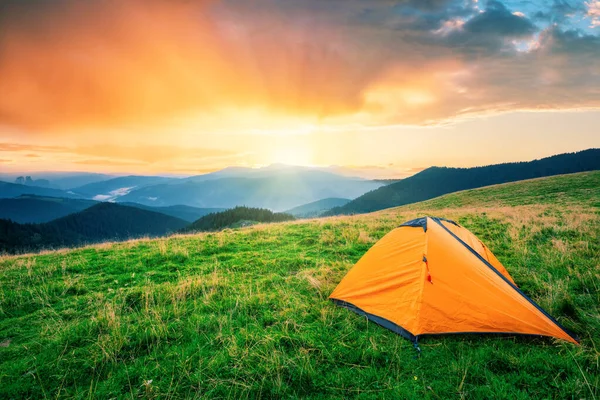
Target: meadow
<point>244,313</point>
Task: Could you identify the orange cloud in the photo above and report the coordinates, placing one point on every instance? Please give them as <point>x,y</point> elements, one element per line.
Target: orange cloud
<point>106,162</point>
<point>71,65</point>
<point>114,63</point>
<point>151,153</point>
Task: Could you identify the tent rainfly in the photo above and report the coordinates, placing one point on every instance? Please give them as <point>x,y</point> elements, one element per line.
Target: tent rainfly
<point>432,276</point>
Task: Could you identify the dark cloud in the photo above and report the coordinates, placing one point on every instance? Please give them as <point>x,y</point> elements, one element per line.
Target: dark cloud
<point>559,11</point>
<point>499,20</point>
<point>427,5</point>
<point>488,33</point>
<point>573,42</point>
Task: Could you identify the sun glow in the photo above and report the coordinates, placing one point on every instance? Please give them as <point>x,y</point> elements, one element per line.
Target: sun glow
<point>292,156</point>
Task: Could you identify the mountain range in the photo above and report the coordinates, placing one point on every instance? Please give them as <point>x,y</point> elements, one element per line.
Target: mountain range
<point>33,218</point>
<point>276,187</point>
<point>10,190</point>
<point>57,180</point>
<point>34,209</point>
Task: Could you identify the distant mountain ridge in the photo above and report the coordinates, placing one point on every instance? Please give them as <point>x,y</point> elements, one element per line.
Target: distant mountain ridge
<point>56,180</point>
<point>101,222</point>
<point>113,188</point>
<point>33,209</point>
<point>275,188</point>
<point>437,181</point>
<point>10,190</point>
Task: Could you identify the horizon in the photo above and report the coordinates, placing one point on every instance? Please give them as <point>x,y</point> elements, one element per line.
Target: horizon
<point>383,88</point>
<point>336,169</point>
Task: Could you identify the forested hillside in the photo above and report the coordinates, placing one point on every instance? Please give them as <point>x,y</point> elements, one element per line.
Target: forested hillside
<point>436,181</point>
<point>186,213</point>
<point>102,222</point>
<point>224,219</point>
<point>31,209</point>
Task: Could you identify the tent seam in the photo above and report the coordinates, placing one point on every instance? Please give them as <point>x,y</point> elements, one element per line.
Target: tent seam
<point>422,279</point>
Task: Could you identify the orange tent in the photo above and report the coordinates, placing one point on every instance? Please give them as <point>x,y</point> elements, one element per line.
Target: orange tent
<point>433,276</point>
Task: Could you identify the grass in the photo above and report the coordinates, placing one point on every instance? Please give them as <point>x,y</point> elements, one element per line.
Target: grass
<point>244,313</point>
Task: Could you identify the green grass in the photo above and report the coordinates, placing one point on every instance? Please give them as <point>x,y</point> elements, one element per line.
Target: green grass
<point>244,313</point>
<point>582,188</point>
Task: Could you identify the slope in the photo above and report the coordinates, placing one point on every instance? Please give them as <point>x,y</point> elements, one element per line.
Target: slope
<point>101,222</point>
<point>244,313</point>
<point>27,209</point>
<point>436,181</point>
<point>316,208</point>
<point>186,213</point>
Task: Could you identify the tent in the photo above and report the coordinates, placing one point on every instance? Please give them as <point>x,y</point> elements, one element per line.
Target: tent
<point>432,276</point>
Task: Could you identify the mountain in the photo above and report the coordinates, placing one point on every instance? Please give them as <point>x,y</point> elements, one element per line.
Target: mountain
<point>185,213</point>
<point>57,179</point>
<point>277,189</point>
<point>236,217</point>
<point>38,209</point>
<point>67,181</point>
<point>113,188</point>
<point>436,181</point>
<point>316,208</point>
<point>9,190</point>
<point>102,222</point>
<point>32,209</point>
<point>28,181</point>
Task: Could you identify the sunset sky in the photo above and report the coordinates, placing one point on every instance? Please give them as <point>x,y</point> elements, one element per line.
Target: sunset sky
<point>384,87</point>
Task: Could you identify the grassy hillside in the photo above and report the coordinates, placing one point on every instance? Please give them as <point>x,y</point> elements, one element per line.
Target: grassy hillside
<point>244,313</point>
<point>437,181</point>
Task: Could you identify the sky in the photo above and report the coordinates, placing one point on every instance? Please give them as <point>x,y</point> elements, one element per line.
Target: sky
<point>384,87</point>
